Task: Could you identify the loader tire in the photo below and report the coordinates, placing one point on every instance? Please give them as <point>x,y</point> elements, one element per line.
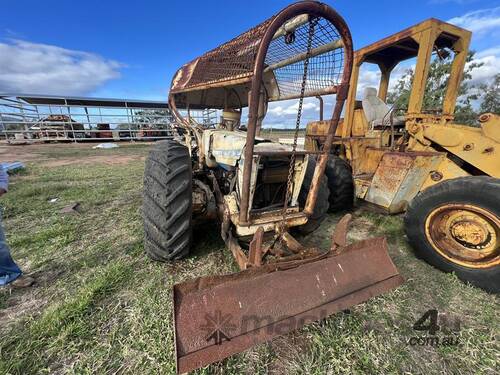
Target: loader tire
<point>321,208</point>
<point>167,205</point>
<point>340,183</point>
<point>455,226</point>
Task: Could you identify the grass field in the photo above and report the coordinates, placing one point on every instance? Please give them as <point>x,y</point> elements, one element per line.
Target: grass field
<point>100,306</point>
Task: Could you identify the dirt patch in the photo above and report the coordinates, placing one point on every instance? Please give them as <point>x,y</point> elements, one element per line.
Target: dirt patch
<point>18,153</point>
<point>19,304</point>
<point>89,160</point>
<point>60,154</point>
<point>359,229</point>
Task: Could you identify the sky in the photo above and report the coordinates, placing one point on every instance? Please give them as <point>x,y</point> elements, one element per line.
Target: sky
<point>131,49</point>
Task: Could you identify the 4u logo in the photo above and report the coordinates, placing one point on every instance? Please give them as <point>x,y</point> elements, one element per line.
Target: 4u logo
<point>432,322</point>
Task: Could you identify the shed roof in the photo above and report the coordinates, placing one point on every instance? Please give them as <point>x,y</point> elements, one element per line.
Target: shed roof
<point>83,101</point>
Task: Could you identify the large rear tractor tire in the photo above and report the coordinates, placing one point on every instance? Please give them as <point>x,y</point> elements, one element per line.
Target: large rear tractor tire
<point>339,175</point>
<point>321,208</point>
<point>455,226</point>
<point>167,206</point>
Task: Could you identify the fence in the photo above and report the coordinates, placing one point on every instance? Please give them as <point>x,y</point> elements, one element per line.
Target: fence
<point>50,118</point>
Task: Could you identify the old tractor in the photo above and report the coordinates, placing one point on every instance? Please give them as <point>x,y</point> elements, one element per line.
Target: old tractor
<point>444,175</point>
<point>263,193</point>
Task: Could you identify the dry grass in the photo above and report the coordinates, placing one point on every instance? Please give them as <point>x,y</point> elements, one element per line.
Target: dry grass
<point>100,306</point>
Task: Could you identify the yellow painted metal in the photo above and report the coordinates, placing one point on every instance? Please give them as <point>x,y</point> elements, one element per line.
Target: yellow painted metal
<point>468,149</point>
<point>469,144</point>
<point>320,128</point>
<point>426,41</point>
<point>351,97</point>
<point>316,133</point>
<point>490,123</point>
<point>361,185</point>
<point>311,144</point>
<point>442,172</point>
<point>360,124</point>
<point>424,35</point>
<point>365,155</point>
<point>465,234</point>
<point>385,75</point>
<point>461,48</point>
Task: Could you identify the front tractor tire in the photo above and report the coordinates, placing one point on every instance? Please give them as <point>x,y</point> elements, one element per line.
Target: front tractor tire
<point>167,205</point>
<point>455,226</point>
<point>321,207</point>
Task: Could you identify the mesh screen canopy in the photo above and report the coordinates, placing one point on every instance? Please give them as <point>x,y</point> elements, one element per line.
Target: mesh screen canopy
<point>324,71</point>
<point>232,60</point>
<point>232,64</point>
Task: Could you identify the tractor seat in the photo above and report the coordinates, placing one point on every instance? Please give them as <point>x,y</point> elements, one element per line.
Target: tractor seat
<point>377,112</point>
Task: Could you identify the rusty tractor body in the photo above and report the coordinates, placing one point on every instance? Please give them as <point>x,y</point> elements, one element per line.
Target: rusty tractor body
<point>260,191</point>
<point>422,162</point>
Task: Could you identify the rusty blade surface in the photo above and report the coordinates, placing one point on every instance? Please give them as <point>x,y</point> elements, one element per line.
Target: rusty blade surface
<point>218,316</point>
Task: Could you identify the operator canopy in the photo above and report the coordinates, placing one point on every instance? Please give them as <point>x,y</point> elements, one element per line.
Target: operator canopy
<point>221,78</point>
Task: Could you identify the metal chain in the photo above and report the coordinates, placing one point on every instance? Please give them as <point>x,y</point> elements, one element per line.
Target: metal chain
<point>312,24</point>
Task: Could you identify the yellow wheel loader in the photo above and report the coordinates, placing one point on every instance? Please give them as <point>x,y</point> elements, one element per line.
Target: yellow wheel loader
<point>444,175</point>
<point>263,193</point>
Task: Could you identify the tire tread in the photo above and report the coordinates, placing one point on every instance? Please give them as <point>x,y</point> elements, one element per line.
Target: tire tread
<point>167,203</point>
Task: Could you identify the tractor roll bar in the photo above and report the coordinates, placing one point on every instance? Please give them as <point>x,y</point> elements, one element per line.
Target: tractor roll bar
<point>319,10</point>
<point>267,61</point>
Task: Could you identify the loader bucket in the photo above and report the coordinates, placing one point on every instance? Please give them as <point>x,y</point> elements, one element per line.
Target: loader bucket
<point>217,316</point>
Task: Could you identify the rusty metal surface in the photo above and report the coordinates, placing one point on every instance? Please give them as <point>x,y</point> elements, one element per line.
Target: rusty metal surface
<point>230,61</point>
<point>270,57</point>
<point>204,205</point>
<point>291,243</point>
<point>401,43</point>
<point>388,178</point>
<point>218,316</point>
<point>338,30</point>
<point>255,249</point>
<point>399,177</point>
<point>237,251</point>
<point>465,234</point>
<point>233,63</point>
<point>323,158</point>
<point>339,236</point>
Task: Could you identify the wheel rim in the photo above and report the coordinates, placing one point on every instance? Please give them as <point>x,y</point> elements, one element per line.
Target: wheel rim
<point>465,234</point>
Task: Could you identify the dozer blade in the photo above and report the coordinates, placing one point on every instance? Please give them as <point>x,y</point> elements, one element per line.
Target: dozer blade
<point>218,316</point>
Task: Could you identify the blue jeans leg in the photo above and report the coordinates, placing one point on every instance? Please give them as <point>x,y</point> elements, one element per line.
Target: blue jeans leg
<point>9,271</point>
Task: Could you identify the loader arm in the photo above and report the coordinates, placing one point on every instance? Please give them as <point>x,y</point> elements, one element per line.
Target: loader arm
<point>478,147</point>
